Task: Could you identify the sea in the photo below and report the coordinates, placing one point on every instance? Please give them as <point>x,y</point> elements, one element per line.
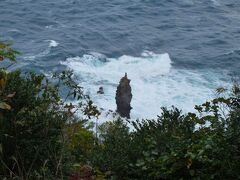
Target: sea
<point>176,52</point>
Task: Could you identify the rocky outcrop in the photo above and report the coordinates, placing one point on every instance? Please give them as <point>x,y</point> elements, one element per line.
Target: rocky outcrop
<point>100,91</point>
<point>124,97</point>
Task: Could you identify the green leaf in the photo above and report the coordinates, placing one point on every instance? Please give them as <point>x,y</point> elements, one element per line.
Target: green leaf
<point>5,106</point>
<point>192,172</point>
<point>1,149</point>
<point>140,163</point>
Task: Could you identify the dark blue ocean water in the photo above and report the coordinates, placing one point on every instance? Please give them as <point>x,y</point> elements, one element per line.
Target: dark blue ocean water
<point>200,36</point>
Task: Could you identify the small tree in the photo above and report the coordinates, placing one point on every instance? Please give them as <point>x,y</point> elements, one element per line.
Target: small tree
<point>35,121</point>
<point>6,52</point>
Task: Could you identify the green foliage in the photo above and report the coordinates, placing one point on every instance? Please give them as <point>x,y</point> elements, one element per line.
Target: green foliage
<point>35,120</point>
<point>6,52</point>
<point>44,136</point>
<point>81,141</point>
<point>33,134</point>
<point>113,155</point>
<point>177,146</point>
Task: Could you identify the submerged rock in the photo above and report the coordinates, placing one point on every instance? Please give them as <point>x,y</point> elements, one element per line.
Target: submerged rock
<point>124,97</point>
<point>100,91</point>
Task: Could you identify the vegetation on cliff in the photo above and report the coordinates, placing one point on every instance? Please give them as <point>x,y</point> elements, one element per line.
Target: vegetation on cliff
<point>43,137</point>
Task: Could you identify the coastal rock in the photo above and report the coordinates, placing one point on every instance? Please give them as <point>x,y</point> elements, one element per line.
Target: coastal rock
<point>100,91</point>
<point>124,97</point>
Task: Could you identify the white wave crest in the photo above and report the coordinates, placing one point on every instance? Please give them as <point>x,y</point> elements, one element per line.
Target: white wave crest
<point>216,2</point>
<point>53,43</point>
<point>155,83</point>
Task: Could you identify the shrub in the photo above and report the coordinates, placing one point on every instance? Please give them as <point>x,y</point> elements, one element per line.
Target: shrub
<point>43,136</point>
<point>34,123</point>
<point>205,145</point>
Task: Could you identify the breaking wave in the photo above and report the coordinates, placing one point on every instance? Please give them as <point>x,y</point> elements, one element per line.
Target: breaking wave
<point>154,81</point>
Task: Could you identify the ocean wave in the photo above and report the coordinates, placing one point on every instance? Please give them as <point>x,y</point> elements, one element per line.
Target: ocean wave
<point>53,43</point>
<point>39,55</point>
<point>216,2</point>
<point>154,81</point>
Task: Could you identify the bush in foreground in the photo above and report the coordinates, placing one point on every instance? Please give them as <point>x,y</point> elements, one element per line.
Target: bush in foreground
<point>205,145</point>
<point>38,128</point>
<point>43,137</point>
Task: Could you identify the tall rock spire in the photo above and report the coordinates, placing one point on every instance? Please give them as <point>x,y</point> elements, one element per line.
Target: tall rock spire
<point>124,97</point>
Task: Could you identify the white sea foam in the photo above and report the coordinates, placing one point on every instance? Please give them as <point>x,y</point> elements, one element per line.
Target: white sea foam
<point>215,2</point>
<point>154,82</point>
<point>53,43</point>
<point>39,55</point>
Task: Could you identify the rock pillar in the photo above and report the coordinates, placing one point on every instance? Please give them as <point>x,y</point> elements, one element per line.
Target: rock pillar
<point>124,97</point>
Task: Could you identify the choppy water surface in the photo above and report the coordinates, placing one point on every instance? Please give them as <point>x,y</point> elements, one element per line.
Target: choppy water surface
<point>175,52</point>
